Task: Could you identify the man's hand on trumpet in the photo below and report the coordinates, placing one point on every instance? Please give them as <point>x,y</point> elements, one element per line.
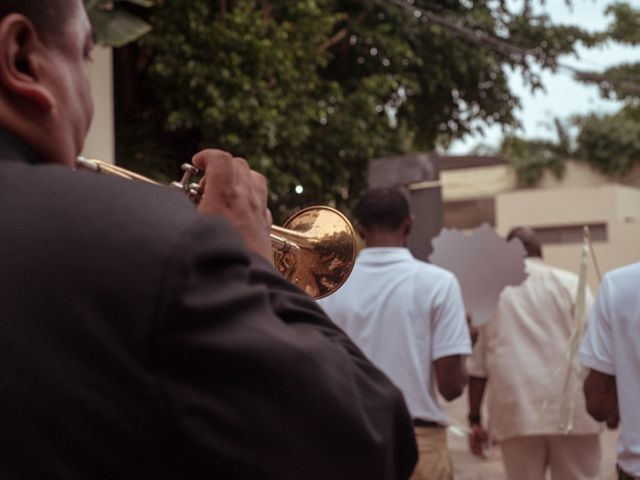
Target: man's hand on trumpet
<point>238,194</point>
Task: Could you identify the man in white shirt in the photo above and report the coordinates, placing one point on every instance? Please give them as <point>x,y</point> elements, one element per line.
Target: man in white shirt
<point>408,318</point>
<point>611,350</point>
<point>520,356</point>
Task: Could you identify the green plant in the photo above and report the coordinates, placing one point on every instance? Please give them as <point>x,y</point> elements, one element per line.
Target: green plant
<point>310,90</point>
<point>114,23</point>
<point>531,158</point>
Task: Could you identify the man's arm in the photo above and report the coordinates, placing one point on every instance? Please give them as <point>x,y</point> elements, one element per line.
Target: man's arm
<point>476,364</point>
<point>597,354</point>
<point>451,376</point>
<point>602,398</point>
<point>478,436</point>
<point>476,394</point>
<point>259,382</point>
<point>450,340</point>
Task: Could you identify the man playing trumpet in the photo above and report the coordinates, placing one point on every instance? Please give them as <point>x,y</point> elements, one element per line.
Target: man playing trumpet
<point>142,338</point>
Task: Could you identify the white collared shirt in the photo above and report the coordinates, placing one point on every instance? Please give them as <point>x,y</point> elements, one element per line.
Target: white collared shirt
<point>612,346</point>
<point>404,314</point>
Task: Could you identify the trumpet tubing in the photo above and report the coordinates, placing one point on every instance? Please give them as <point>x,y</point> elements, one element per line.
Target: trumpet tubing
<point>315,249</point>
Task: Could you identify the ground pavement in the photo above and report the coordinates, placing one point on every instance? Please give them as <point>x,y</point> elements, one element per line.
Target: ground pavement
<point>468,467</point>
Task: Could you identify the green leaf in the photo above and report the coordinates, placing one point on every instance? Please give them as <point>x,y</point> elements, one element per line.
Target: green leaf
<point>117,27</point>
<point>141,3</point>
<point>307,90</point>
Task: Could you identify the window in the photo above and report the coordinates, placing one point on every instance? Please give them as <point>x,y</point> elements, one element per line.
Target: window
<point>571,233</point>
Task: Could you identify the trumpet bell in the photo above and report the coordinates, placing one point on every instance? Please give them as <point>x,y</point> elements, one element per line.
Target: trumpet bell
<point>315,249</point>
<point>321,250</point>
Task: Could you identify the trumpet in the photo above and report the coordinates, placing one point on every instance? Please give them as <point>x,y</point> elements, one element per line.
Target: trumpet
<point>315,248</point>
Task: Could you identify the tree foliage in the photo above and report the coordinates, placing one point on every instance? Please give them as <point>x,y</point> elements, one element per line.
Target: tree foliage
<point>624,27</point>
<point>310,90</point>
<point>531,158</point>
<point>609,142</point>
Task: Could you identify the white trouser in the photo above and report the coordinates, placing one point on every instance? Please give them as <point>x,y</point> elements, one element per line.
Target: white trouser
<point>568,457</point>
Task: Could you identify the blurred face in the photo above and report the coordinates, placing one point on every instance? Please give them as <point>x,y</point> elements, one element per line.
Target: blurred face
<point>67,72</point>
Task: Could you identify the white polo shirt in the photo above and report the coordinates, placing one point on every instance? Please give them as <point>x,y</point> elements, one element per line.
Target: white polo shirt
<point>403,314</point>
<point>612,346</point>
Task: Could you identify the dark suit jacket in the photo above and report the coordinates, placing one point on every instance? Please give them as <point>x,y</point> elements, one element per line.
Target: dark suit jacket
<point>139,339</point>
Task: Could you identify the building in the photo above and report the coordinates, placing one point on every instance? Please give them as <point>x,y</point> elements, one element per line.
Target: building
<point>100,142</point>
<point>484,189</point>
<point>478,189</point>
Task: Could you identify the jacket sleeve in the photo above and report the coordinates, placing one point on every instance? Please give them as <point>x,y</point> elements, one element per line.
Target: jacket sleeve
<point>259,381</point>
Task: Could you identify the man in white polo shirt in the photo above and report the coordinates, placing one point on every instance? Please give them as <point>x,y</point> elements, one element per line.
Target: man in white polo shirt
<point>611,349</point>
<point>408,318</point>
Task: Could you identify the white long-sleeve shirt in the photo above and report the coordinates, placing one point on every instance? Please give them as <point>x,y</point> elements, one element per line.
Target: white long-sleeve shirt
<point>522,352</point>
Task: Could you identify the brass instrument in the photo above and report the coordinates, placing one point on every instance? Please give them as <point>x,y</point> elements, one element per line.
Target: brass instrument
<point>315,248</point>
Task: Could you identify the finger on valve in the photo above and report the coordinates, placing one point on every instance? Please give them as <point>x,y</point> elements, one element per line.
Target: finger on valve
<point>226,183</point>
<point>237,193</point>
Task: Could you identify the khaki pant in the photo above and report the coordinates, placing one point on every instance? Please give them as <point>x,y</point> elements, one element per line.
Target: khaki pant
<point>434,462</point>
<point>568,457</point>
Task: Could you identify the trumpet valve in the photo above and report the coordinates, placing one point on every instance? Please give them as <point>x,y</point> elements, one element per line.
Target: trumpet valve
<point>186,183</point>
<point>194,192</point>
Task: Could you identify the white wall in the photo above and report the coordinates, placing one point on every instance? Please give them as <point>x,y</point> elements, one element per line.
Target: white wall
<point>100,142</point>
<point>481,182</point>
<point>616,205</point>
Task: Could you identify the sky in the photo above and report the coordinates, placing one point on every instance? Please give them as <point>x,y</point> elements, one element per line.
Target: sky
<point>563,96</point>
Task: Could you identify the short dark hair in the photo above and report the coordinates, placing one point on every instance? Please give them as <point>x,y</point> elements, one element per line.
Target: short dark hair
<point>48,16</point>
<point>529,240</point>
<point>383,209</point>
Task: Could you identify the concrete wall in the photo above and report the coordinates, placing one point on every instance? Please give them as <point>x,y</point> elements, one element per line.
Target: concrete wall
<point>615,205</point>
<point>627,205</point>
<point>100,142</point>
<point>581,174</point>
<point>545,208</point>
<point>482,182</point>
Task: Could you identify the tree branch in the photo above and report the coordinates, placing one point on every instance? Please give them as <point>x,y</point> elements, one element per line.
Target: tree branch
<point>340,34</point>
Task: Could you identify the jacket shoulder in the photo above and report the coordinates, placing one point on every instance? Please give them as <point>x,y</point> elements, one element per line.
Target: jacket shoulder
<point>101,213</point>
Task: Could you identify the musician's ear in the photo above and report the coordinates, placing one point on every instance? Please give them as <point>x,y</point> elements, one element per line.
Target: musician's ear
<point>21,55</point>
<point>407,225</point>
